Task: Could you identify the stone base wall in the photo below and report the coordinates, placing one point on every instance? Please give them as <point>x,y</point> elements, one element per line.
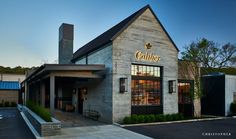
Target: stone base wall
<point>42,127</point>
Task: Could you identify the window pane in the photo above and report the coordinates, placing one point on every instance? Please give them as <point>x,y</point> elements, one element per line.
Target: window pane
<point>146,92</point>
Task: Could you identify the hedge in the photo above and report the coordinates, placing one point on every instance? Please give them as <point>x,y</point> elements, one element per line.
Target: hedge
<point>7,104</point>
<point>233,108</point>
<point>41,111</point>
<point>135,119</point>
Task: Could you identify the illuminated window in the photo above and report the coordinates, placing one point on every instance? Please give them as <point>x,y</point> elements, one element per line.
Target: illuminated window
<point>143,70</point>
<point>145,85</point>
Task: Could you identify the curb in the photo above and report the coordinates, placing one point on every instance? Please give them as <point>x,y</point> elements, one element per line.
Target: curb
<point>35,133</point>
<point>172,122</point>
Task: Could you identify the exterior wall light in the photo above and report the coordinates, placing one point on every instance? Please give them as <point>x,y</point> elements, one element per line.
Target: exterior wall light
<point>172,86</point>
<point>123,85</point>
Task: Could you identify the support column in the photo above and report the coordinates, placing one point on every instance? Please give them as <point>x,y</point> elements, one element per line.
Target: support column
<point>42,93</point>
<point>27,87</point>
<point>76,100</point>
<point>52,93</point>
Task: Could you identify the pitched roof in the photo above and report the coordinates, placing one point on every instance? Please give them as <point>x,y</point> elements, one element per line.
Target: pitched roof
<point>9,85</point>
<point>112,33</point>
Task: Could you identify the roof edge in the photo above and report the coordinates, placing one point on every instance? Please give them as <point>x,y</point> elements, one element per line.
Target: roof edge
<point>141,11</point>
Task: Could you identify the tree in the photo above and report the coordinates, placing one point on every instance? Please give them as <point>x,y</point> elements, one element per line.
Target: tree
<point>210,54</point>
<point>206,54</point>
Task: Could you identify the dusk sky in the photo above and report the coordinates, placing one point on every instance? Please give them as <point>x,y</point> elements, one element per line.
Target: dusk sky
<point>29,28</point>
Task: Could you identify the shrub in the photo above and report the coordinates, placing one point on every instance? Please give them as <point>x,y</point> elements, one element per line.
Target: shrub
<point>127,120</point>
<point>233,108</point>
<point>134,119</point>
<point>141,119</point>
<point>6,104</point>
<point>1,105</point>
<point>169,117</point>
<point>162,118</point>
<point>13,104</point>
<point>41,111</point>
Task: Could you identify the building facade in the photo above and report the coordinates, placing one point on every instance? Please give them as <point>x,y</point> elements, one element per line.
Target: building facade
<point>128,56</point>
<point>131,68</point>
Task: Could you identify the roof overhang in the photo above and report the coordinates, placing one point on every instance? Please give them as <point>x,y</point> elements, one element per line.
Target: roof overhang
<point>67,70</point>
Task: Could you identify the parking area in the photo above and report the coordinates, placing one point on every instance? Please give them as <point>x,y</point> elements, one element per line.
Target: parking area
<point>12,125</point>
<point>216,129</point>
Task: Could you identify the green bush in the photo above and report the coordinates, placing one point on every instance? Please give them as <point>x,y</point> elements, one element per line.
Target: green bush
<point>162,118</point>
<point>127,120</point>
<point>41,111</point>
<point>134,119</point>
<point>1,105</point>
<point>6,104</point>
<point>141,119</point>
<point>233,108</point>
<point>13,104</point>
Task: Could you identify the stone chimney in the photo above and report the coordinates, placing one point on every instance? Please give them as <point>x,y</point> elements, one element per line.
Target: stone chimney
<point>66,37</point>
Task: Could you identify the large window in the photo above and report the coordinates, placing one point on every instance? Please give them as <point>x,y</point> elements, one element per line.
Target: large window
<point>146,85</point>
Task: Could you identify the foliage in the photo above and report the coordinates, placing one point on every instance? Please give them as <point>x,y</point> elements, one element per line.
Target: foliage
<point>135,119</point>
<point>15,70</point>
<point>41,111</point>
<point>6,104</point>
<point>210,54</point>
<point>13,104</point>
<point>233,108</point>
<point>230,70</point>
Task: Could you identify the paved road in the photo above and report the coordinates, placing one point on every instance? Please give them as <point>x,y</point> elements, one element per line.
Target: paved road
<point>12,125</point>
<point>193,130</point>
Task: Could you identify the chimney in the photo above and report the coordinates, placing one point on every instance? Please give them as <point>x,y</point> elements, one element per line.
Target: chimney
<point>66,37</point>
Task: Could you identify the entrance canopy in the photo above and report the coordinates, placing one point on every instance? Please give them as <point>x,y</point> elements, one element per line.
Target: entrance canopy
<point>67,70</point>
<point>44,84</point>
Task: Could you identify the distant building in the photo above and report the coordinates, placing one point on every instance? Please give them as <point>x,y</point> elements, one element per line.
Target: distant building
<point>9,91</point>
<point>12,77</point>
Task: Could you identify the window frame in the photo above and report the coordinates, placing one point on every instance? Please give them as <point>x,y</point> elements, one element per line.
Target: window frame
<point>146,78</point>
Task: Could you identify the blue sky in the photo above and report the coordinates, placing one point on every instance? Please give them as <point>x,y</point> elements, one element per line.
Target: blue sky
<point>29,28</point>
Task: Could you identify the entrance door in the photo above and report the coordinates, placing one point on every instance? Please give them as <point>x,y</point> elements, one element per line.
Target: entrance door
<point>185,91</point>
<point>82,92</point>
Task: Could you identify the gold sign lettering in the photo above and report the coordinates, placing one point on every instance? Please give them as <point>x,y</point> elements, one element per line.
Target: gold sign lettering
<point>146,56</point>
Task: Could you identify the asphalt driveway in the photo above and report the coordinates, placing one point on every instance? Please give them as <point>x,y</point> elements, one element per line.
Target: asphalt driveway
<point>217,129</point>
<point>12,125</point>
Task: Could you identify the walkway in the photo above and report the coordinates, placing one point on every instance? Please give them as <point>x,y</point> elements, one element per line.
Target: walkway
<point>69,119</point>
<point>12,126</point>
<point>97,132</point>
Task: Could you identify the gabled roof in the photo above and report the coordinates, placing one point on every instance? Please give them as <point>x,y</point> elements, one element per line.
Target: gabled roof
<point>9,85</point>
<point>112,33</point>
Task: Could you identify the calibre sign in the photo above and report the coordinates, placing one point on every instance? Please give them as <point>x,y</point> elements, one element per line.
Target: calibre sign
<point>146,56</point>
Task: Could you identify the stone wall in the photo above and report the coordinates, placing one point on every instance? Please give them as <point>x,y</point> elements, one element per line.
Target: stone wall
<point>9,95</point>
<point>143,30</point>
<point>81,61</point>
<point>99,95</point>
<point>42,127</point>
